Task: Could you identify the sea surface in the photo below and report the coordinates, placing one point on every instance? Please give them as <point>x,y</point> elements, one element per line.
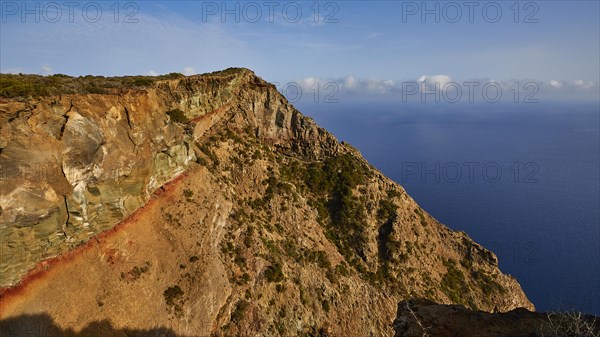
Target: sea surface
<point>520,179</point>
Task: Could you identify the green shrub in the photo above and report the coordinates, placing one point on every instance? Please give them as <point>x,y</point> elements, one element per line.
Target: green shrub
<point>172,76</point>
<point>274,273</point>
<point>487,284</point>
<point>454,284</point>
<point>291,249</point>
<point>319,257</point>
<point>136,272</point>
<point>172,293</point>
<point>189,194</point>
<point>177,116</point>
<point>386,213</point>
<point>342,213</point>
<point>421,217</point>
<point>239,259</point>
<point>240,309</point>
<point>342,270</point>
<point>271,247</point>
<point>143,82</point>
<point>387,210</point>
<point>393,193</point>
<point>205,148</point>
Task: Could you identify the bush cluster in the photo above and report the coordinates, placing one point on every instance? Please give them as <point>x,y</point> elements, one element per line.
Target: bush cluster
<point>172,293</point>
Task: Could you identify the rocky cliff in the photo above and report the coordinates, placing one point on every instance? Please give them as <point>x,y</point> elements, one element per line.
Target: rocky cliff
<point>209,205</point>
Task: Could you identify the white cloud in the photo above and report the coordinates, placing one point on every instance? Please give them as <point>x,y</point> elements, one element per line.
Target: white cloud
<point>309,82</point>
<point>585,85</point>
<point>388,83</point>
<point>377,86</point>
<point>431,81</point>
<point>354,87</point>
<point>152,73</point>
<point>46,70</point>
<point>189,71</point>
<point>557,84</point>
<point>350,82</point>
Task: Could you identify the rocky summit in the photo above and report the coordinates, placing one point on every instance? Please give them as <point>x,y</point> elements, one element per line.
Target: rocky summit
<point>208,205</point>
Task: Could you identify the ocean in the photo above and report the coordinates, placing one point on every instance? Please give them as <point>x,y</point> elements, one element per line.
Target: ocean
<point>520,179</point>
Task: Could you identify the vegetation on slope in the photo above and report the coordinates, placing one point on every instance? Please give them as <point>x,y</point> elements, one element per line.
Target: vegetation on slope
<point>25,86</point>
<point>29,85</point>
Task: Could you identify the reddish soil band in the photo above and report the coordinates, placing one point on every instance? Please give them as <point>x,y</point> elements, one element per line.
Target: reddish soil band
<point>43,268</point>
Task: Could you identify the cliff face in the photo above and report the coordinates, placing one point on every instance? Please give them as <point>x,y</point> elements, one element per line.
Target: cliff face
<point>75,165</point>
<point>273,227</point>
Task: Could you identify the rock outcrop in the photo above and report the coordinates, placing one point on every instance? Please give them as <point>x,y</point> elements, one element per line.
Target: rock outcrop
<point>231,214</point>
<point>418,318</point>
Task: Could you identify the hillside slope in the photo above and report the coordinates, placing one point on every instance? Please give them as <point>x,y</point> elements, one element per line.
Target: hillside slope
<point>223,210</point>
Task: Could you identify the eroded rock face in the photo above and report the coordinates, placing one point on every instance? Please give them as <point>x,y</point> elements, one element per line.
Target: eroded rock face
<point>295,232</point>
<point>76,165</point>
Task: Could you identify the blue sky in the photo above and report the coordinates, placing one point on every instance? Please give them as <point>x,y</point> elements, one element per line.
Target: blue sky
<point>358,40</point>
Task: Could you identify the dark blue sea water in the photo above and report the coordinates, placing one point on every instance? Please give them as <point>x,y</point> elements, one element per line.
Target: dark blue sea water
<point>523,180</point>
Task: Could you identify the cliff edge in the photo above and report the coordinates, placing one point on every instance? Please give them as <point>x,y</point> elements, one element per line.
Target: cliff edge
<point>209,205</point>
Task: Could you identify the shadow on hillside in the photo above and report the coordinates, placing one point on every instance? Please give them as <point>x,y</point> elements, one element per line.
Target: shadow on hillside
<point>42,325</point>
